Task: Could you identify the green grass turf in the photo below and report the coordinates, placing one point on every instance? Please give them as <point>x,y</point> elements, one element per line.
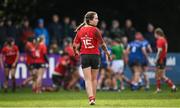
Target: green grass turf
<point>25,98</point>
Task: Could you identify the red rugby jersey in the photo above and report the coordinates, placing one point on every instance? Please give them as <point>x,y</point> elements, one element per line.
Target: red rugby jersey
<point>30,50</point>
<point>60,68</point>
<point>89,38</point>
<point>162,43</point>
<point>69,50</point>
<point>10,54</point>
<point>40,53</point>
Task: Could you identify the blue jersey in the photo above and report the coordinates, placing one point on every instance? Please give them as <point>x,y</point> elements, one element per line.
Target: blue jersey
<point>136,53</point>
<point>145,43</point>
<point>103,56</point>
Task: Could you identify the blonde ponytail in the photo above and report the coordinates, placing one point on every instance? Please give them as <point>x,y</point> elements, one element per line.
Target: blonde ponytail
<point>79,27</point>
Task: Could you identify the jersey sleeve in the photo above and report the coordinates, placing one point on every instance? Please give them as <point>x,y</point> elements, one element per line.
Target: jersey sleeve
<point>98,35</point>
<point>77,38</point>
<point>160,44</point>
<point>44,49</point>
<point>144,44</point>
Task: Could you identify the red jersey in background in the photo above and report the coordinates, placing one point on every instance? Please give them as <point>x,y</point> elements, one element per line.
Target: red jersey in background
<point>40,53</point>
<point>74,59</point>
<point>60,68</point>
<point>69,50</point>
<point>10,54</point>
<point>162,43</point>
<point>30,50</point>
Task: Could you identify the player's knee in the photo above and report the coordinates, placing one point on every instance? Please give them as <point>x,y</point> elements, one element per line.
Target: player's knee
<point>158,78</point>
<point>164,78</point>
<point>93,79</point>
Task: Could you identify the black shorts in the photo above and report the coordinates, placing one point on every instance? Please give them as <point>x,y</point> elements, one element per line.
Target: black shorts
<point>8,65</point>
<point>90,60</point>
<point>134,63</point>
<point>30,66</point>
<point>39,65</point>
<point>161,64</point>
<point>145,63</point>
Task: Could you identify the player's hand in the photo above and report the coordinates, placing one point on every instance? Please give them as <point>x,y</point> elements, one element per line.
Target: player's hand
<point>14,65</point>
<point>76,53</point>
<point>109,56</point>
<point>155,61</point>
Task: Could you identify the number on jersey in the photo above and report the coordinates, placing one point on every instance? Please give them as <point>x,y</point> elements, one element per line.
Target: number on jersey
<point>88,43</point>
<point>133,49</point>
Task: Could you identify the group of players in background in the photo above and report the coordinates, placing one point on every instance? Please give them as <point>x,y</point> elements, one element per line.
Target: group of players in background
<point>37,63</point>
<point>135,55</point>
<point>111,74</point>
<point>36,59</point>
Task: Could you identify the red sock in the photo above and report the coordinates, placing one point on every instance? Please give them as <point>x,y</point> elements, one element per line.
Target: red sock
<point>169,82</point>
<point>34,89</point>
<point>158,84</point>
<point>91,98</point>
<point>39,89</point>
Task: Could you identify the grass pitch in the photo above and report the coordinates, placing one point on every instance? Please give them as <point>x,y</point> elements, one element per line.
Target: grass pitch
<point>25,98</point>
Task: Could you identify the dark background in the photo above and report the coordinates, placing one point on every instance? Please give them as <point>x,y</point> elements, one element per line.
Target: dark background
<point>162,13</point>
